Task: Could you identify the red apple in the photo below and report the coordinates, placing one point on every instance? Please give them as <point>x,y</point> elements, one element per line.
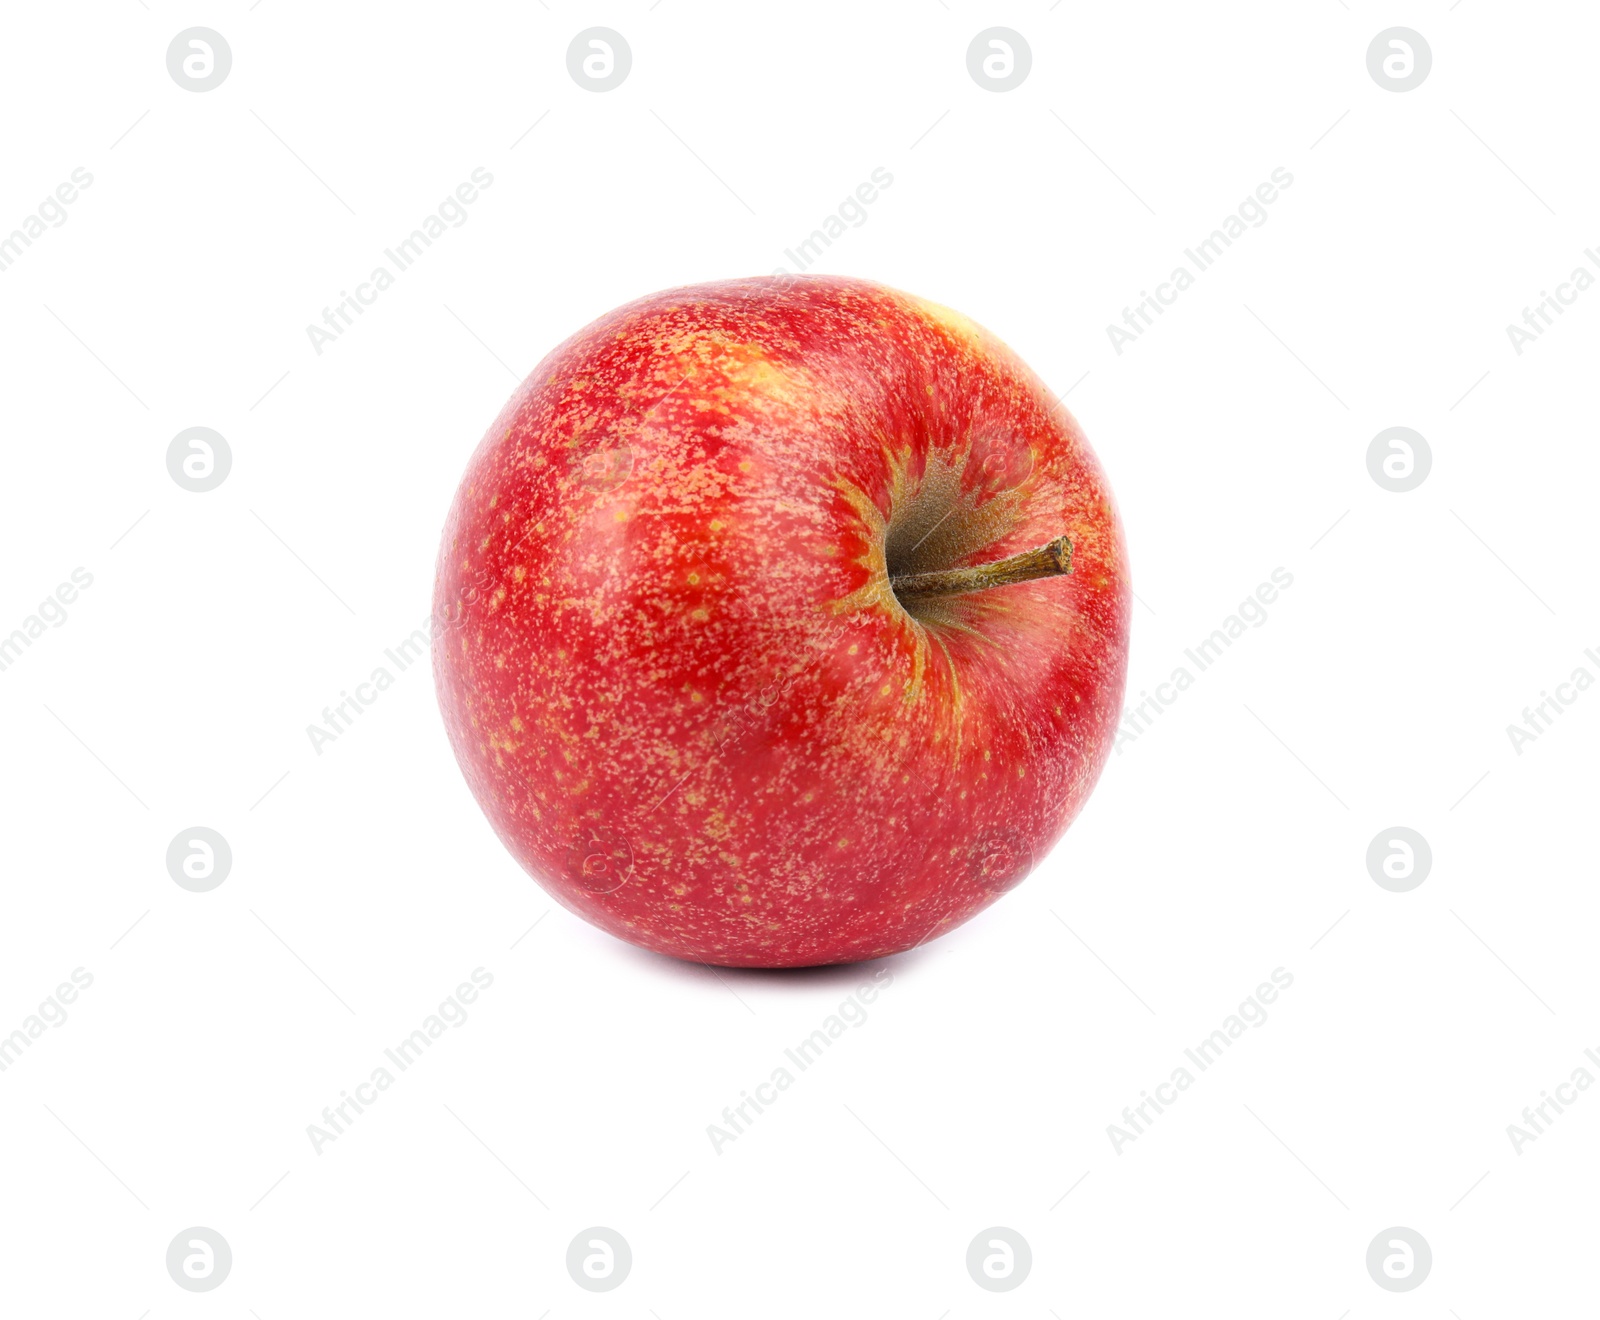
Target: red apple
<point>697,642</point>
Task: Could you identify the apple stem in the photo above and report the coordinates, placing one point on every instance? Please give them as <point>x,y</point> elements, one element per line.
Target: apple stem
<point>1050,560</point>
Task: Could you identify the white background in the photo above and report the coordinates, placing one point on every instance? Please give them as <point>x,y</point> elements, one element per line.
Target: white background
<point>1226,841</point>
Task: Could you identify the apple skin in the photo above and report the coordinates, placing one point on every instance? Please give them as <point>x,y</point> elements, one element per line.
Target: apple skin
<point>669,660</point>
